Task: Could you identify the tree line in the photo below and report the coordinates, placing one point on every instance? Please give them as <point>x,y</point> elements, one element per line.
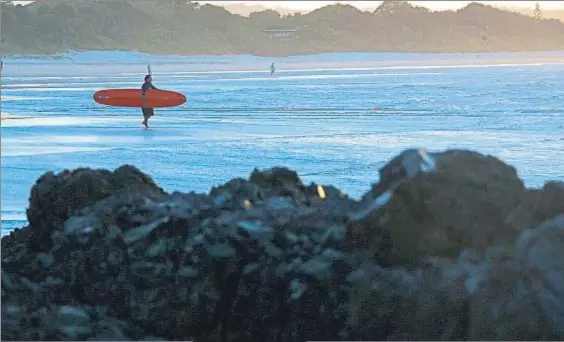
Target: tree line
<point>181,27</point>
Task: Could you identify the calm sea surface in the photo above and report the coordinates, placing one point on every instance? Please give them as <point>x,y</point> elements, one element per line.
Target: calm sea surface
<point>336,119</point>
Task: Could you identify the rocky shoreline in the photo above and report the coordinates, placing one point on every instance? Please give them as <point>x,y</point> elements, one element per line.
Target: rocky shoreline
<point>446,246</point>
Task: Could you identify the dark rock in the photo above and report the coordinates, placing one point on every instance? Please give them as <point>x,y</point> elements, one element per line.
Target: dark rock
<point>136,234</point>
<point>237,193</point>
<point>447,246</point>
<point>188,272</point>
<point>45,260</point>
<point>541,265</point>
<point>221,251</point>
<point>55,198</point>
<point>408,165</point>
<point>277,177</point>
<point>538,206</point>
<point>463,203</point>
<point>551,202</point>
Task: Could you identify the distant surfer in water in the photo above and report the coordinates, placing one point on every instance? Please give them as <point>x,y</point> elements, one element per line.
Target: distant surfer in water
<point>272,70</point>
<point>147,112</point>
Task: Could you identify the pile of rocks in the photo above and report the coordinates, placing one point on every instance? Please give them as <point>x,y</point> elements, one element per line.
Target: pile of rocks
<point>446,246</point>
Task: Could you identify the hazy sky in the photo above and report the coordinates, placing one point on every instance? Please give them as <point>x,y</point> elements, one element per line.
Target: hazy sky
<point>434,5</point>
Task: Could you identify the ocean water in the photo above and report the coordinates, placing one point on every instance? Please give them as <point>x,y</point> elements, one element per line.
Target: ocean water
<point>336,118</point>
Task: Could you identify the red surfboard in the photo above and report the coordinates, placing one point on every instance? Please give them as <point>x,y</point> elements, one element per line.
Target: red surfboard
<point>132,98</point>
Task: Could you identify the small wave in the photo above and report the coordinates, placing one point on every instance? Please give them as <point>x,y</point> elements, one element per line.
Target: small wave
<point>42,150</point>
<point>5,116</point>
<point>13,216</point>
<point>52,89</point>
<point>63,85</point>
<point>25,98</point>
<point>24,85</point>
<point>314,77</point>
<point>54,78</point>
<point>283,70</point>
<point>407,67</point>
<point>67,121</point>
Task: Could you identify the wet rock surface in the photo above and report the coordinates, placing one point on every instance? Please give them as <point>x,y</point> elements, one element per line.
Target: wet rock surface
<point>447,246</point>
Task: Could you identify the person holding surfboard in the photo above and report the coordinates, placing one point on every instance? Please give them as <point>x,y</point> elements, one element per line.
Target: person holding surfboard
<point>147,112</point>
<point>158,98</point>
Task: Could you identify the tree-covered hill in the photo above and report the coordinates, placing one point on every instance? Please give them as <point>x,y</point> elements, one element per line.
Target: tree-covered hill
<point>177,26</point>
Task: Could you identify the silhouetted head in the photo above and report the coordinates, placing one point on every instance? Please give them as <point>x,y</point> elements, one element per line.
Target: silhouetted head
<point>148,78</point>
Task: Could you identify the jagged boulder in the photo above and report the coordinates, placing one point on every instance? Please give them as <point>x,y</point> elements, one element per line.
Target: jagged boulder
<point>438,204</point>
<point>539,205</point>
<point>447,246</point>
<point>253,258</point>
<point>506,293</point>
<point>54,198</point>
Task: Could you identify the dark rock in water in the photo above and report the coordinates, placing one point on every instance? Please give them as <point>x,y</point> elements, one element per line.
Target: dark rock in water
<point>55,198</point>
<point>463,202</point>
<point>237,193</point>
<point>540,263</point>
<point>550,203</point>
<point>538,205</point>
<point>277,177</point>
<point>408,165</point>
<point>447,246</point>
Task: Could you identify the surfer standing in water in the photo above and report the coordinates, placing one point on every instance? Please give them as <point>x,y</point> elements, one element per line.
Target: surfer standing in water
<point>147,112</point>
<point>272,70</point>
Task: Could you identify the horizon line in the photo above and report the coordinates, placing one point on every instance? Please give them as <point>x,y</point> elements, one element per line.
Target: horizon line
<point>308,6</point>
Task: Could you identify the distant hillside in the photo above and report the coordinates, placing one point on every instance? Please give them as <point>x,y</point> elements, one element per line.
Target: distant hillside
<point>246,10</point>
<point>174,26</point>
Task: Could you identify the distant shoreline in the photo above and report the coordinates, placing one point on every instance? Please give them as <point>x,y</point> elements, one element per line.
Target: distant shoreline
<point>110,62</point>
<point>65,54</point>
